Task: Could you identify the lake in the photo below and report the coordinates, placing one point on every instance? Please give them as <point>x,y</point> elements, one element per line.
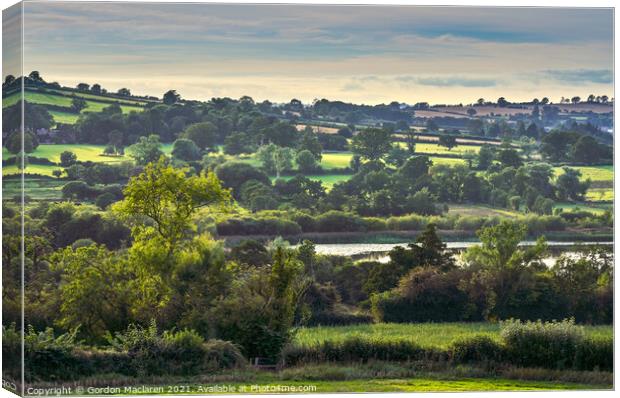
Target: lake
<point>379,251</point>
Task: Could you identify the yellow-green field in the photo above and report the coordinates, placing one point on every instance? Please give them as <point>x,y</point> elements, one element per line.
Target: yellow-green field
<point>127,101</point>
<point>41,169</point>
<point>592,208</point>
<point>342,379</point>
<point>328,180</point>
<point>435,148</point>
<point>594,173</point>
<point>51,99</point>
<point>600,194</point>
<point>480,211</point>
<point>64,117</point>
<point>334,160</point>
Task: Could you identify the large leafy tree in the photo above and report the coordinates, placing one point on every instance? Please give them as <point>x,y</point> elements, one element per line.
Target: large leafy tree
<point>276,159</point>
<point>499,248</point>
<point>160,202</point>
<point>146,150</point>
<point>97,290</point>
<point>203,134</point>
<point>371,144</point>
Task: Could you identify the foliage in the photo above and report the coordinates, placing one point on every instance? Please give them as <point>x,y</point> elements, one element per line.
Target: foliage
<point>168,198</point>
<point>258,313</point>
<point>371,143</point>
<point>146,150</point>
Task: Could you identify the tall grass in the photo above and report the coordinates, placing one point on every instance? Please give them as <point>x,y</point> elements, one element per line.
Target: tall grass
<point>437,335</point>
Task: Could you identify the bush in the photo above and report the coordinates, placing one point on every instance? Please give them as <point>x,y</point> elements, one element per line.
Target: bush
<point>476,349</point>
<point>104,200</point>
<point>374,224</point>
<point>305,221</point>
<point>538,344</point>
<point>258,226</point>
<point>595,354</point>
<point>220,354</point>
<point>539,224</point>
<point>357,349</point>
<point>412,222</point>
<point>174,353</point>
<point>48,357</point>
<point>338,221</point>
<point>425,295</point>
<point>469,223</point>
<point>334,318</point>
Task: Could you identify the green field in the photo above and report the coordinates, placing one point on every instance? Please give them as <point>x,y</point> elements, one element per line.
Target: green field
<point>269,384</point>
<point>51,99</point>
<point>40,189</point>
<point>436,148</point>
<point>600,194</point>
<point>41,169</point>
<point>333,160</point>
<point>328,180</point>
<point>593,208</point>
<point>594,173</point>
<point>439,335</point>
<point>127,101</point>
<point>64,117</point>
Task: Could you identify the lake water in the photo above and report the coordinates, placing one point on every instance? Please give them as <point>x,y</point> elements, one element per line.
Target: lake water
<point>378,251</point>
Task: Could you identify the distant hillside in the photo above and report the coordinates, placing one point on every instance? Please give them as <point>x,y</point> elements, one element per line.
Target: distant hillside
<point>58,102</point>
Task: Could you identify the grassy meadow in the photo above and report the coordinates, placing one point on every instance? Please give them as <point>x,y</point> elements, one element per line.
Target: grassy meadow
<point>594,173</point>
<point>437,335</point>
<point>345,379</point>
<point>92,105</point>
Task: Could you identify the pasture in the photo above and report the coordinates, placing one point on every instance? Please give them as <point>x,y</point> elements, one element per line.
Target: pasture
<point>600,194</point>
<point>422,148</point>
<point>92,105</point>
<point>328,180</point>
<point>594,173</point>
<point>439,335</point>
<point>40,189</point>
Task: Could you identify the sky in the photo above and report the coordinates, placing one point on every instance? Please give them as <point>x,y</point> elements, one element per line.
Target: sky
<point>360,54</point>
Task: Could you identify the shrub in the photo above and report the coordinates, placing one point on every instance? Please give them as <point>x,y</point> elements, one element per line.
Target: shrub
<point>11,350</point>
<point>220,354</point>
<point>412,222</point>
<point>104,200</point>
<point>357,349</point>
<point>374,224</point>
<point>595,354</point>
<point>260,226</point>
<point>424,295</point>
<point>305,221</point>
<point>538,224</point>
<point>335,318</point>
<point>48,357</point>
<point>476,349</point>
<point>338,221</point>
<point>173,353</point>
<point>538,344</point>
<point>469,223</point>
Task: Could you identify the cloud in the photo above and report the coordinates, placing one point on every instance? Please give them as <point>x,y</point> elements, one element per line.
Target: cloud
<point>455,82</point>
<point>581,76</point>
<point>352,87</point>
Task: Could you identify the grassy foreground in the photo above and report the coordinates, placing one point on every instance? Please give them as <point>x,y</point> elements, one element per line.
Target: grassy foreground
<point>327,378</point>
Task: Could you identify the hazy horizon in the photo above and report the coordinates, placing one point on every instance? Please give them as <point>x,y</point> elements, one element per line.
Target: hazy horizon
<point>359,54</point>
